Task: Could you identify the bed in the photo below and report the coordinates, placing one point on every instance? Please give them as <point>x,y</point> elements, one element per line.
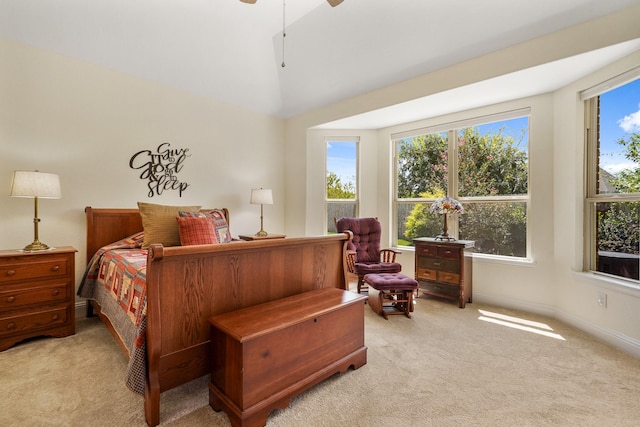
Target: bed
<point>166,334</point>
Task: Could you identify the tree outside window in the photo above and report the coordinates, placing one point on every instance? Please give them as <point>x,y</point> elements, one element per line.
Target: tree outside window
<point>613,195</point>
<point>488,174</point>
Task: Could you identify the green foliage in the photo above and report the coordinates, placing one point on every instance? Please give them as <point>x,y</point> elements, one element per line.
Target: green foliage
<point>488,165</point>
<point>338,190</point>
<point>628,180</point>
<point>422,165</point>
<point>618,222</point>
<point>497,228</point>
<point>618,227</point>
<point>420,221</point>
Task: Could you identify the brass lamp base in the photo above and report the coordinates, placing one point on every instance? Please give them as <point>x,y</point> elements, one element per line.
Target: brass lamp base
<point>36,245</point>
<point>445,235</point>
<point>262,233</point>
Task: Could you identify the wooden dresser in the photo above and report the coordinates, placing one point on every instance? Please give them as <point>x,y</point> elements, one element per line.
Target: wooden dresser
<point>264,355</point>
<point>37,294</point>
<point>444,268</point>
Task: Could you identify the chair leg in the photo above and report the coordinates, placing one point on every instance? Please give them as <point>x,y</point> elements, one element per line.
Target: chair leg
<point>361,283</point>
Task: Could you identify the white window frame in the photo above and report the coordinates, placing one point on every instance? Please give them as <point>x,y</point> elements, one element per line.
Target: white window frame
<point>452,175</point>
<point>342,139</point>
<point>589,97</point>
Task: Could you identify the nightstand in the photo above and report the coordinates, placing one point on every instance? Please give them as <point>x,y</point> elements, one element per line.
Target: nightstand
<point>37,294</point>
<point>267,237</point>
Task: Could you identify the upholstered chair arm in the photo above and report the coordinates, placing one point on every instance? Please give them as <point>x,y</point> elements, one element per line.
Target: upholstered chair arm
<point>388,255</point>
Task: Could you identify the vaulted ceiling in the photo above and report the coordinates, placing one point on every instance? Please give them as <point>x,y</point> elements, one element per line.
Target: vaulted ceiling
<point>232,51</point>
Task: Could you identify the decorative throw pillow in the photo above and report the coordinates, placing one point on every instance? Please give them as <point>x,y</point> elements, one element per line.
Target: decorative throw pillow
<point>160,224</point>
<point>196,231</point>
<point>219,222</point>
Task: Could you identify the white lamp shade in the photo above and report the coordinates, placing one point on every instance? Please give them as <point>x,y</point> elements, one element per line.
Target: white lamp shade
<point>261,196</point>
<point>35,184</point>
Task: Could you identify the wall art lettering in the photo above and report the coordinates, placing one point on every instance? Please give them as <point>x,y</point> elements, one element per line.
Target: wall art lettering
<point>160,169</point>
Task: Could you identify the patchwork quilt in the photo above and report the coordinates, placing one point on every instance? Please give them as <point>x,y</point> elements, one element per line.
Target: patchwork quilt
<point>116,279</point>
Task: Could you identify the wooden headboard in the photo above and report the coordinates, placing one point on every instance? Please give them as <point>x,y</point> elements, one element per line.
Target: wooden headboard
<point>105,226</point>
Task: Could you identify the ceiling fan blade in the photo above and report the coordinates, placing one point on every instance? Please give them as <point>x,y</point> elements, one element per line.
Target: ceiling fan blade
<point>248,1</point>
<point>334,3</point>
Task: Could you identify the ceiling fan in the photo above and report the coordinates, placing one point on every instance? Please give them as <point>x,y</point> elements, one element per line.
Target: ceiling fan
<point>333,3</point>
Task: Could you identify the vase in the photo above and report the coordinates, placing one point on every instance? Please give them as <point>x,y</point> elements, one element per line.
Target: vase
<point>445,235</point>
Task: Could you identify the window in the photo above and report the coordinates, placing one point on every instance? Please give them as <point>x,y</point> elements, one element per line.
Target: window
<point>613,177</point>
<point>342,181</point>
<point>483,164</point>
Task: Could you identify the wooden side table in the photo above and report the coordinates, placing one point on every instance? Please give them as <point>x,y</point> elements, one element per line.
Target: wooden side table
<point>37,294</point>
<point>268,236</point>
<point>443,268</point>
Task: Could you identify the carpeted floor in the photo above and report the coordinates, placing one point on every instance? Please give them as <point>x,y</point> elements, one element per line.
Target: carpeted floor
<point>479,366</point>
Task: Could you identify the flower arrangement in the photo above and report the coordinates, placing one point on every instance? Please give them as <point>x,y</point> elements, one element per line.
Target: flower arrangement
<point>446,205</point>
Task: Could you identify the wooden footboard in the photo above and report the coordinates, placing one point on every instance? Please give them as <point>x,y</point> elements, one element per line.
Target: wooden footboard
<point>186,285</point>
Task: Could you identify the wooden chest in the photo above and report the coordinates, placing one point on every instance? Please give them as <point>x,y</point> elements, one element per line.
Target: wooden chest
<point>444,268</point>
<point>266,354</point>
<point>37,294</point>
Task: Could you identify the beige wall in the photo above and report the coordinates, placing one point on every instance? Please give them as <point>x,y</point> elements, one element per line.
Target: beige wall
<point>85,122</point>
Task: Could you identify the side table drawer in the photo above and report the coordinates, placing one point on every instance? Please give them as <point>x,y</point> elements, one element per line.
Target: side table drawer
<point>33,321</point>
<point>446,252</point>
<point>426,274</point>
<point>445,276</point>
<point>18,298</point>
<point>49,268</point>
<point>442,289</point>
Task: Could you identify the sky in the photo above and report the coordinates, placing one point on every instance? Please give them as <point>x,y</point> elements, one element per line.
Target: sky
<point>341,159</point>
<point>619,118</point>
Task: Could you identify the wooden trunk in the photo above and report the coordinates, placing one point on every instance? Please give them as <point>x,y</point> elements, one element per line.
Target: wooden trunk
<point>267,354</point>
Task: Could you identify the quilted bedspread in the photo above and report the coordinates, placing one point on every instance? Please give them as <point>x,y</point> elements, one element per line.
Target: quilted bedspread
<point>116,278</point>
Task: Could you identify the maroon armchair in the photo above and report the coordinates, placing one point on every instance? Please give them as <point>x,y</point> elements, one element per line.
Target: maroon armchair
<point>364,255</point>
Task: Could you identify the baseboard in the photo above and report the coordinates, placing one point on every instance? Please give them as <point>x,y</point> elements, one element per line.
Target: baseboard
<point>616,339</point>
<point>81,309</point>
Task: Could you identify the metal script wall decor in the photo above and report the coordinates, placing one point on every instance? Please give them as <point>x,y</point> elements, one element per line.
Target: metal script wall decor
<point>160,169</point>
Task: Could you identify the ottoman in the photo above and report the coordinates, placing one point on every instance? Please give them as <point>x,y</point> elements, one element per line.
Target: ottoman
<point>391,293</point>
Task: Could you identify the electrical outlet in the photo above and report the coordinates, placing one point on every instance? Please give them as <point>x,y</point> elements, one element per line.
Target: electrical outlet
<point>602,299</point>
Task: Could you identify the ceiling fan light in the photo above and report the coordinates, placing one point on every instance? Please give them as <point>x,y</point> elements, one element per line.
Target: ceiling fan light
<point>334,3</point>
<point>248,1</point>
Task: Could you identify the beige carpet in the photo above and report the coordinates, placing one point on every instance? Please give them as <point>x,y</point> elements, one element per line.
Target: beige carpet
<point>444,367</point>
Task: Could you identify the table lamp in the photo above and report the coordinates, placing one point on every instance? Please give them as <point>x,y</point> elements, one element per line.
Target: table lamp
<point>261,197</point>
<point>36,185</point>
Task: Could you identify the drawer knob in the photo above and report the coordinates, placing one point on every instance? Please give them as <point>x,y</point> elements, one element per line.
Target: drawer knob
<point>11,272</point>
<point>55,292</point>
<point>55,268</point>
<point>55,317</point>
<point>11,298</point>
<point>11,325</point>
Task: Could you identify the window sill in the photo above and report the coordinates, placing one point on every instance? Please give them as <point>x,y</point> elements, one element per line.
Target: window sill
<point>608,282</point>
<point>489,259</point>
<point>507,260</point>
